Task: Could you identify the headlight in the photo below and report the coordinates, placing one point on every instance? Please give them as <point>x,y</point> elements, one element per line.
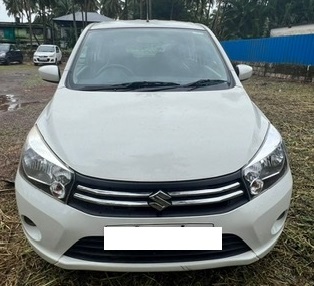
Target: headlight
<point>268,165</point>
<point>43,169</point>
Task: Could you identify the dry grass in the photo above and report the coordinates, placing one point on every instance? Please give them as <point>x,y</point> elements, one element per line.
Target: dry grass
<point>290,108</point>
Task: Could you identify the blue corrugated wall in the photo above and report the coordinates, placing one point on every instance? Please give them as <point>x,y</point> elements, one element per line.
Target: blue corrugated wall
<point>298,49</point>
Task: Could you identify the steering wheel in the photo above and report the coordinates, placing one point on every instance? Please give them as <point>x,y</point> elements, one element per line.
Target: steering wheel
<point>120,71</point>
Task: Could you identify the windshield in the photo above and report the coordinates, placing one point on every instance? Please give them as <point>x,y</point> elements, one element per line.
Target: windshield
<point>46,49</point>
<point>4,47</point>
<point>147,58</point>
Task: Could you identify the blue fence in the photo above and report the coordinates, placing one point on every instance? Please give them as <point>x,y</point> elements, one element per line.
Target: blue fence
<point>298,49</point>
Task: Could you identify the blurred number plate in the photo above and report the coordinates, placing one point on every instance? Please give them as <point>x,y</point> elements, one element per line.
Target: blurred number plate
<point>162,238</point>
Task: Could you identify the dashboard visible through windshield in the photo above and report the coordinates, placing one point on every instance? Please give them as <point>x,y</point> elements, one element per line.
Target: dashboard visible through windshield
<point>147,59</point>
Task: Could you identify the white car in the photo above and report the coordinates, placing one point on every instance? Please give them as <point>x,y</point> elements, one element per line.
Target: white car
<point>47,54</point>
<point>151,127</point>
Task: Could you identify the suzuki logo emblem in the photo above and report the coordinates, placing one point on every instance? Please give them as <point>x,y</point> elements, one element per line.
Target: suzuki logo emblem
<point>160,200</point>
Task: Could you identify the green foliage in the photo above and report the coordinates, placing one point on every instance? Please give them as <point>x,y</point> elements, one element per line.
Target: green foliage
<point>240,19</point>
<point>230,19</point>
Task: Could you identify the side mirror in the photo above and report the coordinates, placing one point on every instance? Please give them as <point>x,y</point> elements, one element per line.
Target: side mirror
<point>244,71</point>
<point>50,73</point>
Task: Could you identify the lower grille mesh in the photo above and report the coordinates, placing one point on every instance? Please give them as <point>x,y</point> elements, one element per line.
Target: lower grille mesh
<point>92,249</point>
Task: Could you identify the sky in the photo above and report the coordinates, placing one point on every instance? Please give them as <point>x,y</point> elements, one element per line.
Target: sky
<point>3,14</point>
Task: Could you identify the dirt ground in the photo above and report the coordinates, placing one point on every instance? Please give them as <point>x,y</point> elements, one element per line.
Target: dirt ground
<point>289,105</point>
<point>22,97</point>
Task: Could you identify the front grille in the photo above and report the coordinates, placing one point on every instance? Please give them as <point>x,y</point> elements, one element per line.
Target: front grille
<point>92,249</point>
<point>158,199</point>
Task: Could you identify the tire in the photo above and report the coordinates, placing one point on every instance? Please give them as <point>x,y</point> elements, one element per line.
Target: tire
<point>35,64</point>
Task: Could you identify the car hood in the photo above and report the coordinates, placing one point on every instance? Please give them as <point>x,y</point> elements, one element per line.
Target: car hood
<point>157,136</point>
<point>42,54</point>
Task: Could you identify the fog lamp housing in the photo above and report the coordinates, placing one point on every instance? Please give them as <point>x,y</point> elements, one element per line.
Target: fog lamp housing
<point>57,189</point>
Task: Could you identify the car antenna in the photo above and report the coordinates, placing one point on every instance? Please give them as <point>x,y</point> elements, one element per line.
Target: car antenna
<point>147,14</point>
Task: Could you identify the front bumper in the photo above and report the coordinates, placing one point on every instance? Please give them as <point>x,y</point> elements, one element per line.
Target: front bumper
<point>58,227</point>
<point>3,60</point>
<point>47,60</point>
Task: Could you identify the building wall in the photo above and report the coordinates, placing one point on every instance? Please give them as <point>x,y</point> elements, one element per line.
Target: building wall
<point>295,30</point>
<point>19,33</point>
<point>297,50</point>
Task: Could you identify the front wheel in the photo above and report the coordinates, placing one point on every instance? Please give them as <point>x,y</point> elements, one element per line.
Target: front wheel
<point>35,64</point>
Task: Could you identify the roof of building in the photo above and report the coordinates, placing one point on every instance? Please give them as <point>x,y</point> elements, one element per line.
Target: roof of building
<point>91,17</point>
<point>294,30</point>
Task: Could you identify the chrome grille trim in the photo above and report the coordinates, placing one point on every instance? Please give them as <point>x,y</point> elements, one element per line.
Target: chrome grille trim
<point>205,191</point>
<point>209,200</point>
<point>111,202</point>
<point>112,193</point>
<point>113,198</point>
<point>105,202</point>
<point>146,194</point>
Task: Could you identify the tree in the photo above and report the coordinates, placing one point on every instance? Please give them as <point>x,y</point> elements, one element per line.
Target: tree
<point>14,8</point>
<point>29,6</point>
<point>44,11</point>
<point>239,19</point>
<point>111,8</point>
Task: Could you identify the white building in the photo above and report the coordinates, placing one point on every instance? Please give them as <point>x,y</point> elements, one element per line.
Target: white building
<point>294,30</point>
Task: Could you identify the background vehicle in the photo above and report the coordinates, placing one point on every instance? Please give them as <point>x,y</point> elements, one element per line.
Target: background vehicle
<point>47,54</point>
<point>9,53</point>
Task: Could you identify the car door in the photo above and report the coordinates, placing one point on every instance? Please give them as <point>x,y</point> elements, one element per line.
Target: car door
<point>14,55</point>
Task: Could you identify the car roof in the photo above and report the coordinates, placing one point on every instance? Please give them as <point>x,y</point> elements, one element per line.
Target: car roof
<point>44,45</point>
<point>146,24</point>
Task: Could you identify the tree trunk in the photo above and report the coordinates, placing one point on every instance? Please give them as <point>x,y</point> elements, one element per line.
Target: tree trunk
<point>141,9</point>
<point>134,9</point>
<point>126,10</point>
<point>43,9</point>
<point>82,13</point>
<point>171,11</point>
<point>214,25</point>
<point>85,3</point>
<point>29,19</point>
<point>74,22</point>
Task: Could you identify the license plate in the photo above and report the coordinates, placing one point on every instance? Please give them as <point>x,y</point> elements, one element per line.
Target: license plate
<point>163,237</point>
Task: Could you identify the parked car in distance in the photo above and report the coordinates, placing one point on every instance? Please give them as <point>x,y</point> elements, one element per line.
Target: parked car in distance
<point>47,54</point>
<point>9,54</point>
<point>151,128</point>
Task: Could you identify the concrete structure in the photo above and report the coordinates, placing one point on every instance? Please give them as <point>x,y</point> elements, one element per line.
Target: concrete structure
<point>294,30</point>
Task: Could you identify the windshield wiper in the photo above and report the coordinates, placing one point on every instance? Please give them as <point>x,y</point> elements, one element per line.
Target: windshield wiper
<point>129,86</point>
<point>203,82</point>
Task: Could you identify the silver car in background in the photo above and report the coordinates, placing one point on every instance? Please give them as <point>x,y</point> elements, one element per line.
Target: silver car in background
<point>47,54</point>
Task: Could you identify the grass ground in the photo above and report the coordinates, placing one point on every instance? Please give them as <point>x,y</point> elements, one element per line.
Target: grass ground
<point>290,107</point>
